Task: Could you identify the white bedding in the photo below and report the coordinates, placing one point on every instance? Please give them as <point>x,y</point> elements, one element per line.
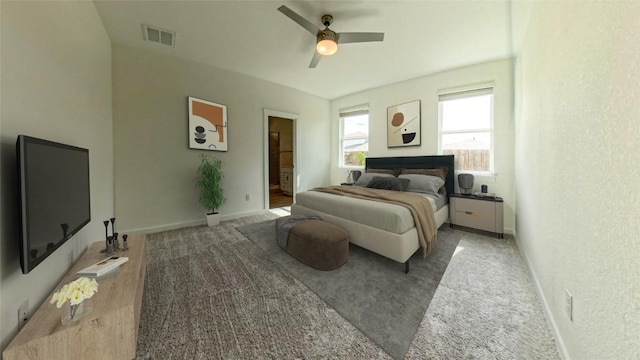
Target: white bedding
<point>384,228</point>
<point>388,217</point>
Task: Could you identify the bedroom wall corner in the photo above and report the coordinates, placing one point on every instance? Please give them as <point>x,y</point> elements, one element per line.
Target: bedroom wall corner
<point>425,89</point>
<point>154,166</point>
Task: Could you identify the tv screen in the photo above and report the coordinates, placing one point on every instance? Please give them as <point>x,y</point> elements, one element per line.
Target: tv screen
<point>53,182</point>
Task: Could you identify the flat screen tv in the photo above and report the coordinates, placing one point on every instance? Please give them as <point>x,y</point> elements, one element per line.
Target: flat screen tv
<point>54,204</point>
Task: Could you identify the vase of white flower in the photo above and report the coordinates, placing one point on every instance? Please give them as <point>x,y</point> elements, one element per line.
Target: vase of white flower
<point>74,313</point>
<point>76,292</point>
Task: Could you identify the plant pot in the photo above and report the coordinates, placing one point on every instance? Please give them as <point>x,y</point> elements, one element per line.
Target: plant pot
<point>213,219</point>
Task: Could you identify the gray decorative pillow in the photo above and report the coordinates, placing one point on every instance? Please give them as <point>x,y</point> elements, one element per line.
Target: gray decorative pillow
<point>388,183</point>
<point>426,184</point>
<point>365,178</point>
<point>440,172</point>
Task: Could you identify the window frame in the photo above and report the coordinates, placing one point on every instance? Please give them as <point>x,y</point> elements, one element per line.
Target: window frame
<point>342,114</point>
<point>487,89</point>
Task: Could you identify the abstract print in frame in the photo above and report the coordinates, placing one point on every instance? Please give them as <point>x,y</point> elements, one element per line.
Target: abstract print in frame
<point>207,125</point>
<point>403,124</point>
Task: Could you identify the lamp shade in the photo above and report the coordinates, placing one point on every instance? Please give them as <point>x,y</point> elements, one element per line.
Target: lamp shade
<point>327,47</point>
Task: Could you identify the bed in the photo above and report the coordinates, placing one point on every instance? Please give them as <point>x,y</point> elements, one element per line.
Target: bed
<point>386,229</point>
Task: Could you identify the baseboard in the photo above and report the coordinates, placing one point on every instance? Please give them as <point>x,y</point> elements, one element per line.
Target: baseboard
<point>243,214</point>
<point>190,223</point>
<point>173,226</point>
<point>545,307</point>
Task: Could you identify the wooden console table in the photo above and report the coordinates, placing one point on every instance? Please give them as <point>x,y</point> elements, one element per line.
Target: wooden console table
<point>109,331</point>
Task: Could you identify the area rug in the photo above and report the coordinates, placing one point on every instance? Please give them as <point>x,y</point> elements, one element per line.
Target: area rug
<point>213,294</point>
<point>372,292</point>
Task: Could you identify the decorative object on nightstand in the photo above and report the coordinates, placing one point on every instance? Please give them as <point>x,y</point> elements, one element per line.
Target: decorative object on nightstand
<point>478,212</point>
<point>465,182</point>
<point>352,177</point>
<point>355,175</point>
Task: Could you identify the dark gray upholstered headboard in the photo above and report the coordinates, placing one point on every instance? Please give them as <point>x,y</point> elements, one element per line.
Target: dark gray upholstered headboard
<point>417,162</point>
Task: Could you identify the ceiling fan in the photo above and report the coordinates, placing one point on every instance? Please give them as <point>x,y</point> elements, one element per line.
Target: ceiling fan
<point>327,40</point>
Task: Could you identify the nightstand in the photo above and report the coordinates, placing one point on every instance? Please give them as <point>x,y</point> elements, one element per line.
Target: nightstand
<point>478,212</point>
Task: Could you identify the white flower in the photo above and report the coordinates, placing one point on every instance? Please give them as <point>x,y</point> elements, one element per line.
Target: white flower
<point>62,298</point>
<point>89,287</point>
<point>88,293</point>
<point>75,291</point>
<point>69,291</point>
<point>84,282</point>
<point>76,297</point>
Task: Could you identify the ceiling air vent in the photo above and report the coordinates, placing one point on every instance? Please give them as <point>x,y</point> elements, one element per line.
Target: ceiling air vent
<point>157,35</point>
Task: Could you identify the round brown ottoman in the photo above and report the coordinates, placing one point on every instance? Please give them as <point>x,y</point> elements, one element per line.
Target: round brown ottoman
<point>319,244</point>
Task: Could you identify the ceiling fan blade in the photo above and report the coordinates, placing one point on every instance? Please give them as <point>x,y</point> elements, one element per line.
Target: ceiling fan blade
<point>352,37</point>
<point>315,60</point>
<point>299,19</point>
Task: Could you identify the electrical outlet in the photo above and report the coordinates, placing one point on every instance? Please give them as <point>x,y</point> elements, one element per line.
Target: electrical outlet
<point>568,303</point>
<point>23,314</point>
<point>247,197</point>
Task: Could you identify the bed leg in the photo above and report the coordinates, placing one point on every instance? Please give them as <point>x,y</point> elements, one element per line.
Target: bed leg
<point>406,267</point>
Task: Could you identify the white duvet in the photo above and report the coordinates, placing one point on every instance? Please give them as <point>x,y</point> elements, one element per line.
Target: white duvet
<point>384,216</point>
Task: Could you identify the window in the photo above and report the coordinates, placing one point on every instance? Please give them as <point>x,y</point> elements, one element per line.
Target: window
<point>466,128</point>
<point>354,137</point>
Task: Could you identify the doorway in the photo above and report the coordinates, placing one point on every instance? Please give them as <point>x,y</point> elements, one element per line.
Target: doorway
<point>274,160</point>
<point>280,178</point>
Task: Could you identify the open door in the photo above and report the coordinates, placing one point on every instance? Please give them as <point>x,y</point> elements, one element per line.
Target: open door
<point>280,169</point>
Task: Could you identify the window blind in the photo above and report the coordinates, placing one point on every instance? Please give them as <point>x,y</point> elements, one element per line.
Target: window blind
<point>355,111</point>
<point>465,94</point>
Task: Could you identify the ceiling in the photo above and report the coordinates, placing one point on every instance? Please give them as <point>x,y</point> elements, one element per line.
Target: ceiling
<point>253,38</point>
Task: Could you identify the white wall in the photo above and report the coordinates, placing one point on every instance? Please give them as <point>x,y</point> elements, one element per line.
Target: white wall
<point>426,90</point>
<point>577,136</point>
<point>56,85</point>
<point>155,169</point>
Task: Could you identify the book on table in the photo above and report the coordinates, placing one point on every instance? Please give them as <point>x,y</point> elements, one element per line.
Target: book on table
<point>104,266</point>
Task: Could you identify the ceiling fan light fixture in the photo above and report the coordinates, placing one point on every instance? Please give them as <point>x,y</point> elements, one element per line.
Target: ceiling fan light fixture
<point>327,39</point>
<point>327,47</point>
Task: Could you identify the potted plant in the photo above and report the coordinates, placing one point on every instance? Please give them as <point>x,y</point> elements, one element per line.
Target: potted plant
<point>209,181</point>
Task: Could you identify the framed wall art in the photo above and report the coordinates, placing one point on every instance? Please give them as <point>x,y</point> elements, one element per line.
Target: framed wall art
<point>207,125</point>
<point>403,124</point>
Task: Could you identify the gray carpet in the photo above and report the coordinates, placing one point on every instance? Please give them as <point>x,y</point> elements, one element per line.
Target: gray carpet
<point>212,294</point>
<point>485,308</point>
<point>370,291</point>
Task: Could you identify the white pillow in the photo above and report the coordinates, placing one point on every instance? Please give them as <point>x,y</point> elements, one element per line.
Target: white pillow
<point>365,178</point>
<point>425,184</point>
